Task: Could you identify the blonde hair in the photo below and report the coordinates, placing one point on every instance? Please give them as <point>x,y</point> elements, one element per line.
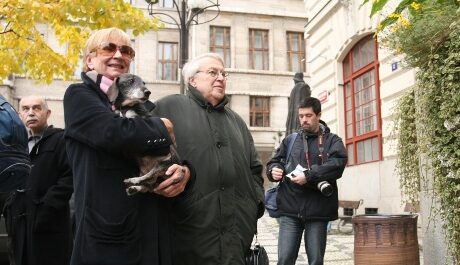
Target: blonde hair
<point>100,36</point>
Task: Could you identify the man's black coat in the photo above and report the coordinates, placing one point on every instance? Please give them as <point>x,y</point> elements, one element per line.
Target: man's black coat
<point>48,190</point>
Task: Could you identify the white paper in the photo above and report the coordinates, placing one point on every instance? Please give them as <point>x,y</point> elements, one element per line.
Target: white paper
<point>298,170</point>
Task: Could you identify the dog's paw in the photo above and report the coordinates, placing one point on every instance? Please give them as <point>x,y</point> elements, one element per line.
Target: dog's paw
<point>131,114</point>
<point>131,190</point>
<point>116,111</point>
<point>132,181</point>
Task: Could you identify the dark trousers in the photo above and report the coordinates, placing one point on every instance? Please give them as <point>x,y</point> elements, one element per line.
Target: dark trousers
<point>290,237</point>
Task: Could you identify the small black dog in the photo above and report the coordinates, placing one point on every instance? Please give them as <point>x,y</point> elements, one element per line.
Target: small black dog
<point>131,94</point>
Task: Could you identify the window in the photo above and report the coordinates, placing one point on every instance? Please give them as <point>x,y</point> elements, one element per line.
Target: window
<point>295,52</point>
<point>371,210</point>
<point>220,43</point>
<point>348,211</point>
<point>258,49</point>
<point>259,111</point>
<point>362,103</point>
<point>167,61</point>
<point>166,3</point>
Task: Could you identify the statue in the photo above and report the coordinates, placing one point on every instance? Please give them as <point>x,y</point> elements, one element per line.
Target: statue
<point>298,93</point>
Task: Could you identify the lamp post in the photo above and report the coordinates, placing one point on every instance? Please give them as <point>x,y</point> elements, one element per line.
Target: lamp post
<point>187,15</point>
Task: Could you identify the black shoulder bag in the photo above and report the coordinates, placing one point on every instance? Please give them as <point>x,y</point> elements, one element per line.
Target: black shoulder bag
<point>271,193</point>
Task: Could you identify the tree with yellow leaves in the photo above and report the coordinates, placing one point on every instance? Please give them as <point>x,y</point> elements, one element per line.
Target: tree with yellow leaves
<point>410,6</point>
<point>23,49</point>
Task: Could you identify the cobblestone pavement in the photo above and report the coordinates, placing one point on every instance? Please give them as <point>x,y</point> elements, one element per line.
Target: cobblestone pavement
<point>339,248</point>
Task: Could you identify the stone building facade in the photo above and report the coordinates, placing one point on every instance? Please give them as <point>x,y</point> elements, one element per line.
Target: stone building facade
<point>356,79</point>
<point>262,42</point>
<point>359,83</point>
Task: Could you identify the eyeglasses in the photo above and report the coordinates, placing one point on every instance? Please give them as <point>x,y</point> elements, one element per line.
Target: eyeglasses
<point>215,73</point>
<point>109,49</point>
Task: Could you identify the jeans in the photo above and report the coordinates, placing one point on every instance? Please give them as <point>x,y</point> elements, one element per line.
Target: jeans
<point>290,237</point>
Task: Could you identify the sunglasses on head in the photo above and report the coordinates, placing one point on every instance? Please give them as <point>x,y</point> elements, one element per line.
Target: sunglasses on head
<point>109,49</point>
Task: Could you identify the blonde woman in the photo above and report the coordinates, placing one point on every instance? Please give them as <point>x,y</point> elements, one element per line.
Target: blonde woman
<point>111,227</point>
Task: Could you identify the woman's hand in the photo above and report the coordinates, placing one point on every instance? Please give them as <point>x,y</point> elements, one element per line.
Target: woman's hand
<point>175,184</point>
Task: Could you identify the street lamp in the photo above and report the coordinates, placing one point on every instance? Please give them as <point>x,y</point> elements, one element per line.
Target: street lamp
<point>188,11</point>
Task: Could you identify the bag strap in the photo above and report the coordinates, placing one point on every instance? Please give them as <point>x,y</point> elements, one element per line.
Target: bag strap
<point>320,147</point>
<point>291,140</point>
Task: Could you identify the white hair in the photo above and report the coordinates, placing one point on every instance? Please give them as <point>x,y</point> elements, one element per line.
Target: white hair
<point>191,67</point>
<point>42,100</point>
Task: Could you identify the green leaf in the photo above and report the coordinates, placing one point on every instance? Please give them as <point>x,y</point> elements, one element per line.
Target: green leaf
<point>377,6</point>
<point>403,5</point>
<point>387,21</point>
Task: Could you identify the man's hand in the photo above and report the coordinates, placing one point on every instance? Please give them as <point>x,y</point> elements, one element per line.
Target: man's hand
<point>277,173</point>
<point>299,179</point>
<point>175,184</point>
<point>168,124</point>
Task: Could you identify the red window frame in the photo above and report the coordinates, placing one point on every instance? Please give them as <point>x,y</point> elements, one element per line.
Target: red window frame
<point>362,107</point>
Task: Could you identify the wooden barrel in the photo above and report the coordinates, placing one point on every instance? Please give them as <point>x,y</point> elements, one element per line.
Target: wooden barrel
<point>386,239</point>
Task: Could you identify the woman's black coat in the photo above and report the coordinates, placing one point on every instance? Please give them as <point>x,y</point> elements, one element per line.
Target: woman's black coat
<point>113,228</point>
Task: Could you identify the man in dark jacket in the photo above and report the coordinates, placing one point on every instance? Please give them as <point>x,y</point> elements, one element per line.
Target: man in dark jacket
<point>216,223</point>
<point>301,204</point>
<point>48,237</point>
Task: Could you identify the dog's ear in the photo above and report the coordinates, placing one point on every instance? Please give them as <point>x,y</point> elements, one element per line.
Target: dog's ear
<point>112,92</point>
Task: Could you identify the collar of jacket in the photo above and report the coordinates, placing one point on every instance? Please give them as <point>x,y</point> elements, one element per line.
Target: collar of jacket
<point>194,94</point>
<point>50,130</point>
<point>322,128</point>
<point>94,84</point>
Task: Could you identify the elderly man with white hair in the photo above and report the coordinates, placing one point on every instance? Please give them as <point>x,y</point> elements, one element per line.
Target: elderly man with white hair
<point>48,236</point>
<point>216,222</point>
